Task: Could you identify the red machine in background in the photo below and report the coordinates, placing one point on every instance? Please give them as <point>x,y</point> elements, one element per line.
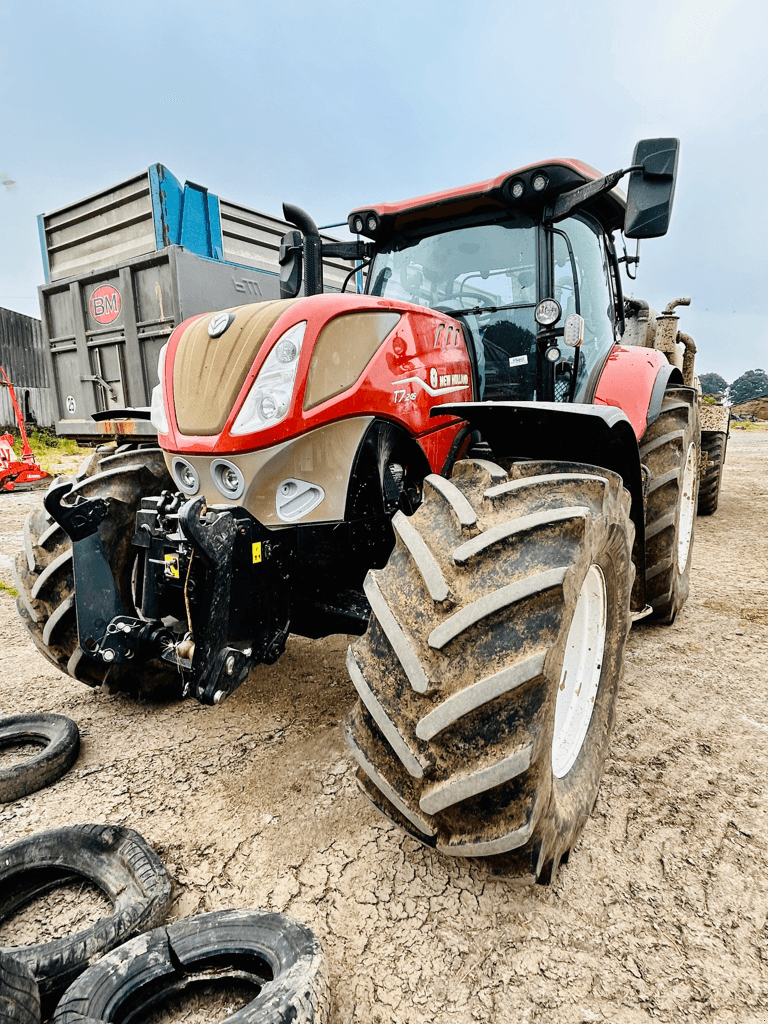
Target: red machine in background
<point>13,470</point>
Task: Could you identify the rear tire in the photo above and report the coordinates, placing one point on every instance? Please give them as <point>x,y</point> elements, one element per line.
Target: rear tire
<point>43,571</point>
<point>713,447</point>
<point>670,450</point>
<point>468,734</point>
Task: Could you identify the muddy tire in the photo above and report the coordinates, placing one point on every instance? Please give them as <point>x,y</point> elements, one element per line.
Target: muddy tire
<point>280,957</point>
<point>488,676</point>
<point>116,859</point>
<point>670,450</point>
<point>60,740</point>
<point>19,995</point>
<point>43,570</point>
<point>713,448</point>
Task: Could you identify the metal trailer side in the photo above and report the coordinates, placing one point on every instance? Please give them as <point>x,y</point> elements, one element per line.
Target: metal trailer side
<point>22,354</point>
<point>124,266</point>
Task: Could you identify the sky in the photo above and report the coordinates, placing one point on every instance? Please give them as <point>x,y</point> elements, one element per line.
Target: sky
<point>333,104</point>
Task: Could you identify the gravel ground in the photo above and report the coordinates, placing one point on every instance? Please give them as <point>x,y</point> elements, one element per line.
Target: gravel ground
<point>660,913</point>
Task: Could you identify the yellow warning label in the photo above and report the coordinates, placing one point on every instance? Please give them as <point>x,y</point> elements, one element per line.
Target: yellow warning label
<point>172,566</point>
<point>257,552</point>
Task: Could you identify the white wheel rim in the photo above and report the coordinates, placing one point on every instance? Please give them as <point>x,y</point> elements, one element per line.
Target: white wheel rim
<point>686,509</point>
<point>580,677</point>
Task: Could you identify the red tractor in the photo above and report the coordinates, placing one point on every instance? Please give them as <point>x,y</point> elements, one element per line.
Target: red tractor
<point>485,466</point>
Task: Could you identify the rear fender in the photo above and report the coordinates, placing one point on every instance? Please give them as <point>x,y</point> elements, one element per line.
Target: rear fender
<point>634,379</point>
<point>597,435</point>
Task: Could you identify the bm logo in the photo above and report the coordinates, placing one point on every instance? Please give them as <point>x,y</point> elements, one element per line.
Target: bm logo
<point>106,304</point>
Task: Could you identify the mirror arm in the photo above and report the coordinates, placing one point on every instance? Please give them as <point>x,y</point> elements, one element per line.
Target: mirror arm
<point>568,201</point>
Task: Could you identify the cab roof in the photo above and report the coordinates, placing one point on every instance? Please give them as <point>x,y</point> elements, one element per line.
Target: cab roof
<point>414,216</point>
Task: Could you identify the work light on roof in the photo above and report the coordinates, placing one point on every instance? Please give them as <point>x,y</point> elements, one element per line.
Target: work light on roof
<point>357,225</point>
<point>372,223</point>
<point>539,182</point>
<point>518,188</point>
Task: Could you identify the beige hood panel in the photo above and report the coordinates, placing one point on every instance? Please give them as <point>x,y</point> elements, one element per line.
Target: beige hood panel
<point>208,373</point>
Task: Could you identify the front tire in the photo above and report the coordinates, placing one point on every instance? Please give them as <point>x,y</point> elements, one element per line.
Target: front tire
<point>43,571</point>
<point>488,676</point>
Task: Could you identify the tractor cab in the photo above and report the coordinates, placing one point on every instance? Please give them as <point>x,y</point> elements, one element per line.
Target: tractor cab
<point>525,262</point>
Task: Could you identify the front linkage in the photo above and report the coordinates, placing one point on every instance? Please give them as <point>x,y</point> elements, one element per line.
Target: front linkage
<point>218,571</point>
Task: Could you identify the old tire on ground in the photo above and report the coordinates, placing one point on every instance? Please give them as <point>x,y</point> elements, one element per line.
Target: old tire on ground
<point>116,859</point>
<point>60,739</point>
<point>19,994</point>
<point>488,675</point>
<point>43,571</point>
<point>713,448</point>
<point>670,450</point>
<point>280,957</point>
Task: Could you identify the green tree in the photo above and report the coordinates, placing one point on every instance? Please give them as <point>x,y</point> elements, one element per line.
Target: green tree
<point>752,384</point>
<point>713,384</point>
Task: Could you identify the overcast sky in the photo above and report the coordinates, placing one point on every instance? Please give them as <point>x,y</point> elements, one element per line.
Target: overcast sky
<point>332,104</point>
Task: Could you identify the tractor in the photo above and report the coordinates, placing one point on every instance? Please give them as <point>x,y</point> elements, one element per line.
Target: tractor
<point>484,466</point>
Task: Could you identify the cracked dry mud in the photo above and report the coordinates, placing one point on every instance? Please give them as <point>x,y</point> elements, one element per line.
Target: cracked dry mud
<point>660,913</point>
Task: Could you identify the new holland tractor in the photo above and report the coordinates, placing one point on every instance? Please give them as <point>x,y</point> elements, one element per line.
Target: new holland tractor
<point>485,466</point>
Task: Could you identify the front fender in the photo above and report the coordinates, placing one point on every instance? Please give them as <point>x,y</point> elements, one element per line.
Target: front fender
<point>634,379</point>
<point>598,435</point>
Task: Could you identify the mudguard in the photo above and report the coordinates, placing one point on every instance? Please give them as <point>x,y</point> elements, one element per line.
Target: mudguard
<point>634,379</point>
<point>598,435</point>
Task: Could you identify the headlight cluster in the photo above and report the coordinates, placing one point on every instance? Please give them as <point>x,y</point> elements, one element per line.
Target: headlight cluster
<point>157,414</point>
<point>270,396</point>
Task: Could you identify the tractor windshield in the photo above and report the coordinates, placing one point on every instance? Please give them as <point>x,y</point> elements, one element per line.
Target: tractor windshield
<point>485,276</point>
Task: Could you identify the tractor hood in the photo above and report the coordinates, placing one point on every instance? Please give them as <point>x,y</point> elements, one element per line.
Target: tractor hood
<point>249,377</point>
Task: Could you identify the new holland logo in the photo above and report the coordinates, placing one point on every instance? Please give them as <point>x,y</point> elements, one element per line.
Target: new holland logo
<point>452,379</point>
<point>433,377</point>
<point>219,323</point>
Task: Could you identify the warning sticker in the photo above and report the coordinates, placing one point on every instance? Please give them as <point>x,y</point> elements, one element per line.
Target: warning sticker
<point>106,304</point>
<point>518,360</point>
<point>172,566</point>
<point>256,552</point>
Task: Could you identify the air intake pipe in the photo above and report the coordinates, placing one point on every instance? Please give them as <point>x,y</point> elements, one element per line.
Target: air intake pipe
<point>313,259</point>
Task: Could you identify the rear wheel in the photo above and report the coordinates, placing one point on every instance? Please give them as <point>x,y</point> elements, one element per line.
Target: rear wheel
<point>669,448</point>
<point>488,675</point>
<point>43,571</point>
<point>713,447</point>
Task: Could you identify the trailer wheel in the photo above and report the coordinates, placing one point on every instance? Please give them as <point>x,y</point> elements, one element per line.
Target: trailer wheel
<point>670,450</point>
<point>713,447</point>
<point>488,675</point>
<point>43,571</point>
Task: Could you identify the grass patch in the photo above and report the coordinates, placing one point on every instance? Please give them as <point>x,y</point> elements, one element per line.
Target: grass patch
<point>48,448</point>
<point>5,589</point>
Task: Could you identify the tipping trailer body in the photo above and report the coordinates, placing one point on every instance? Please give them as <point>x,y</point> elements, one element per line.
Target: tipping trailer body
<point>127,265</point>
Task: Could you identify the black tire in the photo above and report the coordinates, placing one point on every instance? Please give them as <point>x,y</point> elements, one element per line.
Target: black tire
<point>116,859</point>
<point>19,994</point>
<point>43,571</point>
<point>282,958</point>
<point>60,739</point>
<point>713,447</point>
<point>460,670</point>
<point>670,450</point>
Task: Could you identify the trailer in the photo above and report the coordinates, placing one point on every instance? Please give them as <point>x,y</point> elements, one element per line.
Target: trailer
<point>22,353</point>
<point>124,267</point>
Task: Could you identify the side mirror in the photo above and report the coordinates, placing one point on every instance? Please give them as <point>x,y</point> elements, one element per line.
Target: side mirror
<point>290,259</point>
<point>651,188</point>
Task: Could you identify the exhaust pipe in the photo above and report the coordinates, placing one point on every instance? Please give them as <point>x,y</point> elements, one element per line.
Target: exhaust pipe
<point>313,256</point>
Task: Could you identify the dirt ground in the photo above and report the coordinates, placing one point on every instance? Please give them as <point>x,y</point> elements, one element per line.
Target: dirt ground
<point>660,913</point>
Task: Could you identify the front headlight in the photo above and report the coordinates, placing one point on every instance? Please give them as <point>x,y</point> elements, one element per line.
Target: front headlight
<point>157,414</point>
<point>270,396</point>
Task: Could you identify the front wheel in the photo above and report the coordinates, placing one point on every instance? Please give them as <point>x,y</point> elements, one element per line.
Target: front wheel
<point>488,675</point>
